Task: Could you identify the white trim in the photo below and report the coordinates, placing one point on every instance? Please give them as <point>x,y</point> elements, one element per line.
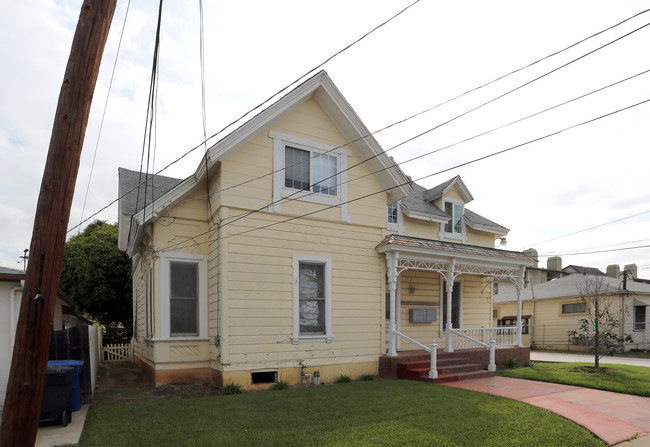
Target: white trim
<point>280,142</point>
<point>327,336</point>
<point>423,216</point>
<point>202,261</point>
<point>444,235</point>
<point>443,317</point>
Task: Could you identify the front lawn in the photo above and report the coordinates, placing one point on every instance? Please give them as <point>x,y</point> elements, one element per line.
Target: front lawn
<point>379,412</point>
<point>619,378</point>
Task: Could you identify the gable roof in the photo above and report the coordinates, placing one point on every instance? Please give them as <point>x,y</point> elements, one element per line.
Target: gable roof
<point>132,198</point>
<point>582,270</point>
<point>419,204</point>
<point>568,287</point>
<point>438,191</point>
<point>9,274</point>
<point>320,88</point>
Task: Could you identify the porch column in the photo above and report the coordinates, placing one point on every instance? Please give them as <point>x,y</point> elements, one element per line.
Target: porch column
<point>391,270</point>
<point>449,344</point>
<point>520,286</point>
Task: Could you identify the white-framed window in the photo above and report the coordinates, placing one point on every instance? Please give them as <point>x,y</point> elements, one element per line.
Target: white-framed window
<point>574,308</point>
<point>455,228</point>
<point>310,171</point>
<point>184,295</point>
<point>312,299</point>
<point>394,218</point>
<point>639,318</point>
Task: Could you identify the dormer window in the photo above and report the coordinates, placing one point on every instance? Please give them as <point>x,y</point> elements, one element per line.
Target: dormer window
<point>455,225</point>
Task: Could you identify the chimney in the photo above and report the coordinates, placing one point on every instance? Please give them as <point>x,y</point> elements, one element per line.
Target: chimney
<point>631,268</point>
<point>613,271</point>
<point>533,254</point>
<point>554,263</point>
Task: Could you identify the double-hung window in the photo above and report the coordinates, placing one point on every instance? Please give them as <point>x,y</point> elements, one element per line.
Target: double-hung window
<point>312,299</point>
<point>309,171</point>
<point>455,227</point>
<point>184,295</point>
<point>639,318</point>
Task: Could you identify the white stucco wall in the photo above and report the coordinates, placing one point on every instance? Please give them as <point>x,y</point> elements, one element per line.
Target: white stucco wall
<point>8,319</point>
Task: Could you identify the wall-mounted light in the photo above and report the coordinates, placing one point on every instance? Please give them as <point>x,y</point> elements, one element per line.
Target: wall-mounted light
<point>411,289</point>
<point>502,241</point>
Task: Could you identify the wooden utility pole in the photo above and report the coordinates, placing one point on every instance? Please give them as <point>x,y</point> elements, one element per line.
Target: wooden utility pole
<point>25,388</point>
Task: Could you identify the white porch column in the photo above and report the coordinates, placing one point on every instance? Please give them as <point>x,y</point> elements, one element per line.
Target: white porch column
<point>391,270</point>
<point>520,286</point>
<point>449,344</point>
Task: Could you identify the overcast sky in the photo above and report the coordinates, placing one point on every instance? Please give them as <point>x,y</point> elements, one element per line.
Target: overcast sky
<point>590,175</point>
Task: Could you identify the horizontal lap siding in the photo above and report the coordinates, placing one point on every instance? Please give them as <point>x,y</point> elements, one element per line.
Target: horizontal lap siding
<point>426,289</point>
<point>477,297</point>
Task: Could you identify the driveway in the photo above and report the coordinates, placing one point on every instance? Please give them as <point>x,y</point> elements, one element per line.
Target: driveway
<point>613,417</point>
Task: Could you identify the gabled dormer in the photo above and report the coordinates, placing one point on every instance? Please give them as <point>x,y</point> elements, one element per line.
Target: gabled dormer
<point>445,205</point>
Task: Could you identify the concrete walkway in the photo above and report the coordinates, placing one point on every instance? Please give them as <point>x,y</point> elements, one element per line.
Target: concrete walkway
<point>542,356</point>
<point>613,417</point>
<point>56,434</point>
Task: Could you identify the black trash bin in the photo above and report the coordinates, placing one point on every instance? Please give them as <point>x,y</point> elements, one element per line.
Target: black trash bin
<point>57,394</point>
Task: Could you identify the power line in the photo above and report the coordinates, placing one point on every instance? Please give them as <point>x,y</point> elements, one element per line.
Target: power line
<point>279,201</point>
<point>588,229</point>
<point>600,251</point>
<point>398,122</point>
<point>403,184</point>
<point>101,124</point>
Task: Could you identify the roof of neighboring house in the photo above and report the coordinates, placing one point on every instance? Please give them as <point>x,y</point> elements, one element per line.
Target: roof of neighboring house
<point>9,274</point>
<point>453,248</point>
<point>569,286</point>
<point>155,187</point>
<point>582,270</point>
<point>419,201</point>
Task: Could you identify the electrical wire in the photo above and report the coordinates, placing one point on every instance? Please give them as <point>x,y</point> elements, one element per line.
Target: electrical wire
<point>303,194</point>
<point>101,124</point>
<point>599,251</point>
<point>398,122</point>
<point>475,160</point>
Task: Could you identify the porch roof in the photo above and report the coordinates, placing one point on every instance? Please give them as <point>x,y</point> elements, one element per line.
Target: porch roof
<point>429,246</point>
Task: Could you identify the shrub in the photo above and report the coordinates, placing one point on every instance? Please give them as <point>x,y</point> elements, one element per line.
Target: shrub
<point>280,385</point>
<point>343,379</point>
<point>366,377</point>
<point>511,363</point>
<point>231,388</point>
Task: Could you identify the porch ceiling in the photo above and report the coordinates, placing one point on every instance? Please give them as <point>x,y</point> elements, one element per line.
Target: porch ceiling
<point>433,255</point>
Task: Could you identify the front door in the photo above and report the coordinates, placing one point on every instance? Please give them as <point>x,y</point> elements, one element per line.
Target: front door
<point>455,305</point>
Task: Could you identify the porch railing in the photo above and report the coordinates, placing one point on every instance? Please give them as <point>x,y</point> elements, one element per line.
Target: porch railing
<point>469,338</point>
<point>433,350</point>
<point>462,340</point>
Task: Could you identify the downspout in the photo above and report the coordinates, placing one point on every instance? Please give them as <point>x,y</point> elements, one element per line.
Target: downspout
<point>520,284</point>
<point>531,325</point>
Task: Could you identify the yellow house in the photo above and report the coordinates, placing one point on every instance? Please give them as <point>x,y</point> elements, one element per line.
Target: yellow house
<point>299,246</point>
<point>552,309</point>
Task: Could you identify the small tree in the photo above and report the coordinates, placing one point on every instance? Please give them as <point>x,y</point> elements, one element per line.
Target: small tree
<point>599,329</point>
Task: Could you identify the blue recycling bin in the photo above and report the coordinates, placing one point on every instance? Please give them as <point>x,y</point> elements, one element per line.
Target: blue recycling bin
<point>76,388</point>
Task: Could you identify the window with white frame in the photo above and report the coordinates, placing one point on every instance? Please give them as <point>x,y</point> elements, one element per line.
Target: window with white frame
<point>312,299</point>
<point>639,318</point>
<point>184,295</point>
<point>455,210</point>
<point>574,308</point>
<point>392,213</point>
<point>309,171</point>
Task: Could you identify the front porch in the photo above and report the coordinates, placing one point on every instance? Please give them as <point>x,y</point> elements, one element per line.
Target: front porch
<point>406,364</point>
<point>449,304</point>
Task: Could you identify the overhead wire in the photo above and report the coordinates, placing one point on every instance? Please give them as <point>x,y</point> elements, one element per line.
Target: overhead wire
<point>290,197</point>
<point>386,127</point>
<point>475,160</point>
<point>101,124</point>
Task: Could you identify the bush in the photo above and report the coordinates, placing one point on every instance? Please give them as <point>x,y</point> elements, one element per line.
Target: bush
<point>343,379</point>
<point>280,385</point>
<point>367,377</point>
<point>231,388</point>
<point>512,363</point>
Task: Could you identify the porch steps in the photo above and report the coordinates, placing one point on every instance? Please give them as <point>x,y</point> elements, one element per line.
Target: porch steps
<point>450,369</point>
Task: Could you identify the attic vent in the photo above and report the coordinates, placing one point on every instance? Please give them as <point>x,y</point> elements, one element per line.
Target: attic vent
<point>263,377</point>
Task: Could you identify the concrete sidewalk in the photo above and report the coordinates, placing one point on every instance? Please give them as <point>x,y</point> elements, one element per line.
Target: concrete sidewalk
<point>56,434</point>
<point>613,417</point>
<point>543,356</point>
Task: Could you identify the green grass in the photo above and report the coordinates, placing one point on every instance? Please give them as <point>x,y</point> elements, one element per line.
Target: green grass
<point>619,378</point>
<point>378,412</point>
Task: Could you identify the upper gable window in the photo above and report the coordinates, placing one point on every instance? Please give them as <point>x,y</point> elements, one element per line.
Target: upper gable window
<point>392,213</point>
<point>309,171</point>
<point>455,210</point>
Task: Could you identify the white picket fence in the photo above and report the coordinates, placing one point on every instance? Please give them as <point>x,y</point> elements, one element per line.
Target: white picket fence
<point>122,352</point>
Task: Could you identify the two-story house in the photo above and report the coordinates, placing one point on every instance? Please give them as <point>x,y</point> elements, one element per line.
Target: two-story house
<point>299,245</point>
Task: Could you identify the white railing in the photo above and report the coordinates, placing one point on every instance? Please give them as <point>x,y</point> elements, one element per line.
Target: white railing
<point>463,340</point>
<point>469,338</point>
<point>433,350</point>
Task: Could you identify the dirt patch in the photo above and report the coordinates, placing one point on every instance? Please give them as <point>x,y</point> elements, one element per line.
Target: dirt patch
<point>590,369</point>
<point>185,390</point>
